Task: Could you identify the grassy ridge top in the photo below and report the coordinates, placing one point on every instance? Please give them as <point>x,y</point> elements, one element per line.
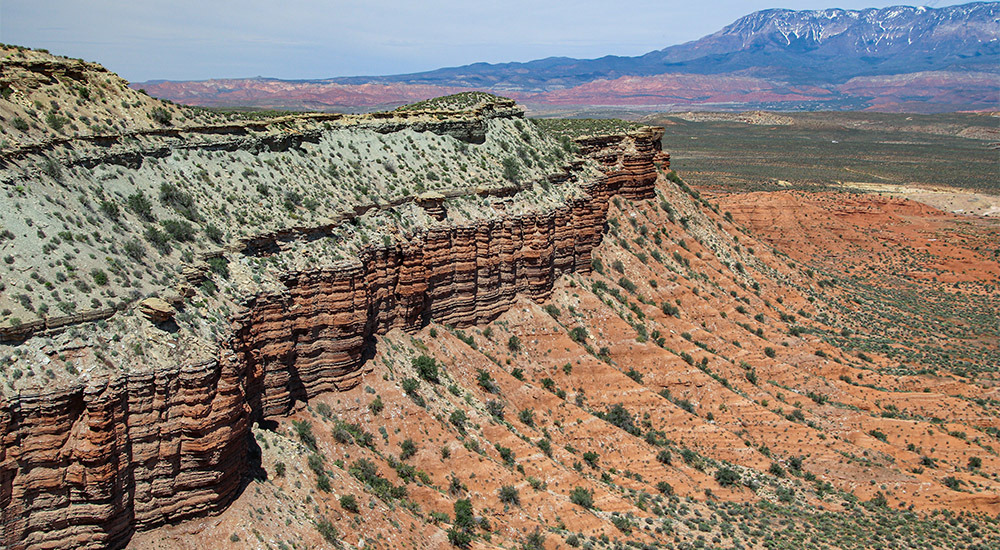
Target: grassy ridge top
<point>578,127</point>
<point>464,101</point>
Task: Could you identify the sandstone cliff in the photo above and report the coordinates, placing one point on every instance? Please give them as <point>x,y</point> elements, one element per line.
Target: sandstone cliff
<point>88,465</point>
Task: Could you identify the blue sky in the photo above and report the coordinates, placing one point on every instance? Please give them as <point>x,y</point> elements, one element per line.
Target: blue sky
<point>193,40</point>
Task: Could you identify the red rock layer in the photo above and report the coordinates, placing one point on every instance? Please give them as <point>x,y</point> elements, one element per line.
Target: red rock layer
<point>312,337</point>
<point>87,466</point>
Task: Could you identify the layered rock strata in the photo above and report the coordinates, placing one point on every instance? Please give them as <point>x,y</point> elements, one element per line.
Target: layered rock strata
<point>87,466</point>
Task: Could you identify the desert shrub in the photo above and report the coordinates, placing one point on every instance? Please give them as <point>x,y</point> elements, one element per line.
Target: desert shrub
<point>213,233</point>
<point>511,169</point>
<point>99,276</point>
<point>323,483</point>
<point>178,230</point>
<point>620,416</point>
<point>110,210</point>
<point>158,239</point>
<point>527,417</point>
<point>582,497</point>
<point>726,476</point>
<point>514,344</point>
<point>486,382</point>
<point>458,419</point>
<point>349,503</point>
<point>545,446</point>
<point>459,538</point>
<point>181,201</point>
<point>407,449</point>
<point>161,115</point>
<point>328,531</point>
<point>303,429</point>
<point>622,523</point>
<point>134,249</point>
<point>509,495</point>
<point>495,408</point>
<point>55,120</point>
<point>534,541</point>
<point>140,206</point>
<point>506,454</point>
<point>427,368</point>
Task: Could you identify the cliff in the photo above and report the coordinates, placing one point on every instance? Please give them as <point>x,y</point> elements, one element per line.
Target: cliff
<point>88,465</point>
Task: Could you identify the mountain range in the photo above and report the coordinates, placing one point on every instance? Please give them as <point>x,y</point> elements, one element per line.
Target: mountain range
<point>892,59</point>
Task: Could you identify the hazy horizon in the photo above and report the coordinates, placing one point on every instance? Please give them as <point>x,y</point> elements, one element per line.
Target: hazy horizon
<point>309,39</point>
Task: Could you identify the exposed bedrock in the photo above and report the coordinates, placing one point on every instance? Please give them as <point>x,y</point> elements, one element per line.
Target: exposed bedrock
<point>86,466</point>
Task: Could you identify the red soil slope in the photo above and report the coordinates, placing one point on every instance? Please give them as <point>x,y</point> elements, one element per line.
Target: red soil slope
<point>720,352</point>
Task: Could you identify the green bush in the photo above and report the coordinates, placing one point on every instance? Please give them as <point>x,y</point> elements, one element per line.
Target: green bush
<point>527,417</point>
<point>161,116</point>
<point>303,429</point>
<point>349,503</point>
<point>582,497</point>
<point>328,531</point>
<point>219,266</point>
<point>110,210</point>
<point>511,169</point>
<point>509,495</point>
<point>726,476</point>
<point>427,368</point>
<point>514,344</point>
<point>458,419</point>
<point>459,538</point>
<point>140,206</point>
<point>179,230</point>
<point>159,240</point>
<point>99,276</point>
<point>407,449</point>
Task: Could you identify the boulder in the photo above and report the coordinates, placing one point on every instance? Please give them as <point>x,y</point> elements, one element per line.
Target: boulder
<point>156,310</point>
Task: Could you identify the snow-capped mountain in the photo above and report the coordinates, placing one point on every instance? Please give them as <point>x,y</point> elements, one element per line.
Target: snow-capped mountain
<point>842,44</point>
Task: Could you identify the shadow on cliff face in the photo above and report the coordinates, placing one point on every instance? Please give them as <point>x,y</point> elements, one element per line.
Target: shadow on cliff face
<point>255,470</point>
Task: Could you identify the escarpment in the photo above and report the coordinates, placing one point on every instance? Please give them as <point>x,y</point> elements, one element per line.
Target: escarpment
<point>312,337</point>
<point>89,464</point>
<point>86,466</point>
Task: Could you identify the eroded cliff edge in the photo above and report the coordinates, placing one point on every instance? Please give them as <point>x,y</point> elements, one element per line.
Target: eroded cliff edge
<point>89,464</point>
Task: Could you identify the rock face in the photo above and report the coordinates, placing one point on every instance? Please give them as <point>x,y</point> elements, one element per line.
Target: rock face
<point>87,466</point>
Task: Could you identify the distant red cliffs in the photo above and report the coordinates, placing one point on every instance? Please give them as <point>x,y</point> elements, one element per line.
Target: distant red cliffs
<point>85,467</point>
